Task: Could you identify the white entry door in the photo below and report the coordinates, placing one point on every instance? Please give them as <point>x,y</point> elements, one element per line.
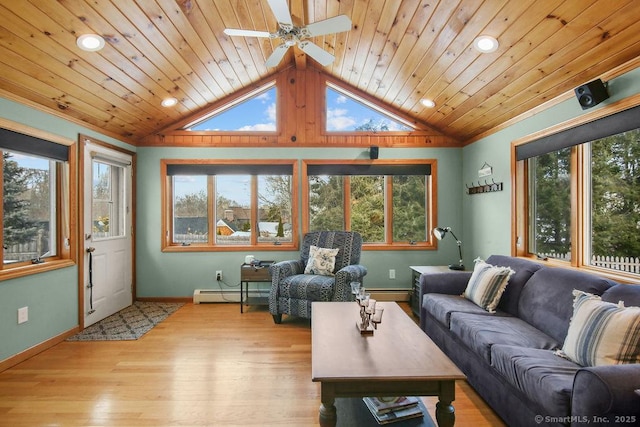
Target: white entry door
<point>108,267</point>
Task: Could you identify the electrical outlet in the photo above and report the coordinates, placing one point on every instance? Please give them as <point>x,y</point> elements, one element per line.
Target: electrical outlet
<point>23,315</point>
<point>392,274</point>
<point>218,275</point>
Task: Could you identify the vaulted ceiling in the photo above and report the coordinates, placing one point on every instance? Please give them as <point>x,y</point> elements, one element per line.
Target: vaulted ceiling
<point>397,52</point>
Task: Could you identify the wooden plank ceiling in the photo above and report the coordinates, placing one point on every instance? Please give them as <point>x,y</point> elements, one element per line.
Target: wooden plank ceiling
<point>398,52</point>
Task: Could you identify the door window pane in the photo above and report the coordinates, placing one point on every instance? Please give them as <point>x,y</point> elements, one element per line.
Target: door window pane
<point>108,205</point>
<point>550,204</point>
<point>29,221</point>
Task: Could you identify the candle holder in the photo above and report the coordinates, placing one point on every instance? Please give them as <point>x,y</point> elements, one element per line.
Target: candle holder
<point>369,315</point>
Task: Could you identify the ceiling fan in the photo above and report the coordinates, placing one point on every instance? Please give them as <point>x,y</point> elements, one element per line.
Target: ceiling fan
<point>292,35</point>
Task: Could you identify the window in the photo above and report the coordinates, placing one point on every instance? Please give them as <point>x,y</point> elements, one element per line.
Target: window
<point>255,112</point>
<point>231,204</point>
<point>35,203</point>
<point>108,201</point>
<point>583,204</point>
<point>389,203</point>
<point>345,112</point>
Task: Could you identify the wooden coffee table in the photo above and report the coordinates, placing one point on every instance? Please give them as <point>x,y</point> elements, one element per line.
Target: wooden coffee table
<point>398,359</point>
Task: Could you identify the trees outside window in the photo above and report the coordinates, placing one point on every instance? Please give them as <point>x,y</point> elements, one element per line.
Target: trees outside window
<point>615,196</point>
<point>37,178</point>
<point>550,204</point>
<point>27,208</point>
<point>391,208</point>
<point>582,201</point>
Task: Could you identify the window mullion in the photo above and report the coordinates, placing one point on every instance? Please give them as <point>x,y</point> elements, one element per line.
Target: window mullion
<point>346,182</point>
<point>254,210</point>
<point>577,211</point>
<point>583,205</point>
<point>211,210</point>
<point>388,209</point>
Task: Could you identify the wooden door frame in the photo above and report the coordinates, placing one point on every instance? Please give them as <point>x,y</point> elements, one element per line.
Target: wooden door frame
<point>82,139</point>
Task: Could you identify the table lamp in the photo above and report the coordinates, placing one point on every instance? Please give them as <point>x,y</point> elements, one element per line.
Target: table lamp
<point>439,234</point>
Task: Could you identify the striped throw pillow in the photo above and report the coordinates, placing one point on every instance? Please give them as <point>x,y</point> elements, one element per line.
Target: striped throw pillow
<point>602,333</point>
<point>486,285</point>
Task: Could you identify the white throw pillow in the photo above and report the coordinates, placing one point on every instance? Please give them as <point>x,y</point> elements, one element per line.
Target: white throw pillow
<point>602,333</point>
<point>322,261</point>
<point>486,285</point>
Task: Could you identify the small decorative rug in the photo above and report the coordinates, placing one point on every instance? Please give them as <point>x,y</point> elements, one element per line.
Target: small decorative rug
<point>128,324</point>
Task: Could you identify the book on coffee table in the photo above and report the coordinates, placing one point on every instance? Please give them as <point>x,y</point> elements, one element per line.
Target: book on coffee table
<point>387,404</point>
<point>399,413</point>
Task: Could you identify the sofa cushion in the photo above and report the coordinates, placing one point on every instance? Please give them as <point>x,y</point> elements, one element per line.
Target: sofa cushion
<point>602,333</point>
<point>540,374</point>
<point>546,301</point>
<point>628,294</point>
<point>441,306</point>
<point>308,287</point>
<point>523,269</point>
<point>486,285</point>
<point>480,332</point>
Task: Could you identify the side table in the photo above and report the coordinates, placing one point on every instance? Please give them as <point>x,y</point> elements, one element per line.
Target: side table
<point>416,272</point>
<point>257,274</point>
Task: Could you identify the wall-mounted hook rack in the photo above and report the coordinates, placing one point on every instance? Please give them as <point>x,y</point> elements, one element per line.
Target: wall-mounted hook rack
<point>484,188</point>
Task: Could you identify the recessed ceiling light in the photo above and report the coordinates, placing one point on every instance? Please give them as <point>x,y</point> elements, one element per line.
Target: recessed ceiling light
<point>169,102</point>
<point>485,44</point>
<point>90,42</point>
<point>427,103</point>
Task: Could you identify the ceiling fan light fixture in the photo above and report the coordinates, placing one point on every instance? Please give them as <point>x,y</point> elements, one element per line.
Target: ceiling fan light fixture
<point>486,44</point>
<point>90,42</point>
<point>169,102</point>
<point>429,103</point>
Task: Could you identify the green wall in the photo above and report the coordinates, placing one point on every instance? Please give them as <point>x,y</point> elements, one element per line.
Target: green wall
<point>52,297</point>
<point>178,274</point>
<point>487,217</point>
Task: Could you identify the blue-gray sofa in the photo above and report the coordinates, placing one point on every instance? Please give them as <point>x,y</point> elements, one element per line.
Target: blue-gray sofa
<point>508,356</point>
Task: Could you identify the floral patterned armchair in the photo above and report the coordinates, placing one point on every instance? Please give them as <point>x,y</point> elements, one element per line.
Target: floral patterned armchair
<point>293,291</point>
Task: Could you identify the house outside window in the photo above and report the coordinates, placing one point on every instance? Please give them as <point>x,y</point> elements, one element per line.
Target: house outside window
<point>230,204</point>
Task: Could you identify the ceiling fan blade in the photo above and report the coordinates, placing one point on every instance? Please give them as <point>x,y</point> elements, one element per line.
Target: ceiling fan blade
<point>277,55</point>
<point>337,24</point>
<point>316,52</point>
<point>280,10</point>
<point>246,33</point>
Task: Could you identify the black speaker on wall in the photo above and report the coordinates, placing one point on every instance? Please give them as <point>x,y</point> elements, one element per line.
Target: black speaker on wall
<point>373,152</point>
<point>591,94</point>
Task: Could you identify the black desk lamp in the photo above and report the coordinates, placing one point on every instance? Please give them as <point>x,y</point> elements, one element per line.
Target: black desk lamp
<point>439,234</point>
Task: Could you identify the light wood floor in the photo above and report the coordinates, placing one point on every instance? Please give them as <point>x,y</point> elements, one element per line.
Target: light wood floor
<point>206,364</point>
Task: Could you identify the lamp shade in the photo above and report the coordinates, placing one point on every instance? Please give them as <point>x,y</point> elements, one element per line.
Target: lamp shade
<point>439,232</point>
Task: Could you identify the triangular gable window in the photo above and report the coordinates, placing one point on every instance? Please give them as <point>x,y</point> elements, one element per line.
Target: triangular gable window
<point>256,112</point>
<point>345,112</point>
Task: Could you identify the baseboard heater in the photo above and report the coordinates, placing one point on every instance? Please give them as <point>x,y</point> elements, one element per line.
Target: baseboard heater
<point>201,296</point>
